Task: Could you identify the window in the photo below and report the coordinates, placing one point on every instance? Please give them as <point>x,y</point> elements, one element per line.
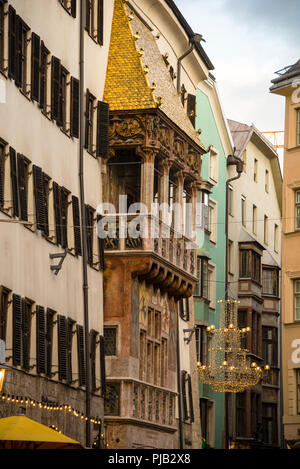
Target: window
<point>89,122</point>
<point>213,165</point>
<point>22,309</point>
<point>201,288</point>
<point>270,345</point>
<point>191,108</point>
<point>297,300</point>
<point>255,170</point>
<point>65,336</point>
<point>270,282</point>
<point>269,424</point>
<point>243,210</point>
<point>212,286</point>
<point>61,205</point>
<point>206,416</point>
<point>93,350</point>
<point>41,195</point>
<point>187,399</point>
<point>201,338</point>
<point>250,264</point>
<point>94,20</point>
<point>81,355</point>
<point>23,179</point>
<point>110,341</point>
<point>297,210</point>
<point>213,221</point>
<point>21,54</point>
<point>63,99</point>
<point>298,127</point>
<point>266,229</point>
<point>244,158</point>
<point>267,181</point>
<point>2,174</point>
<point>184,309</point>
<point>298,389</point>
<point>255,406</point>
<point>230,200</point>
<point>242,323</point>
<point>254,219</point>
<point>276,231</point>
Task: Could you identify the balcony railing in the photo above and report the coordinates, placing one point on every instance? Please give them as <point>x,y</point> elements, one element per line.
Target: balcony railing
<point>148,233</point>
<point>142,401</point>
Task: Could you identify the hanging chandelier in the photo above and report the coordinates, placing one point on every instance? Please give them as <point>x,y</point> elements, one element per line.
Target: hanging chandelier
<point>229,368</point>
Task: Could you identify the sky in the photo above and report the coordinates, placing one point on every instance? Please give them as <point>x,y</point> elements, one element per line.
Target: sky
<point>248,41</point>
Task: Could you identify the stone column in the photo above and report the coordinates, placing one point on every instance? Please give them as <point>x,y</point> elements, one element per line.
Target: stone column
<point>147,178</point>
<point>177,218</point>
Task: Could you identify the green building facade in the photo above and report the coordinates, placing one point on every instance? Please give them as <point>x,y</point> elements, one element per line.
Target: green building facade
<point>211,255</point>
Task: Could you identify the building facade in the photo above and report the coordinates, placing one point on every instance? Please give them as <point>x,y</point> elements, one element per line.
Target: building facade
<point>46,222</point>
<point>155,156</point>
<point>287,85</point>
<point>211,248</point>
<point>254,272</point>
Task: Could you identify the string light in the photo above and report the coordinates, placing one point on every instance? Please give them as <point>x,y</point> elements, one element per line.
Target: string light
<point>49,407</point>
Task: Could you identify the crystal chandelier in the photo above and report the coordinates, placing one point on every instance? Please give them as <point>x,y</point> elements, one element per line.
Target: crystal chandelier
<point>228,368</point>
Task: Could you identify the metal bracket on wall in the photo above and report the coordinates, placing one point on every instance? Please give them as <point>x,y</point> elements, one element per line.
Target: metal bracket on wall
<point>60,256</point>
<point>189,338</point>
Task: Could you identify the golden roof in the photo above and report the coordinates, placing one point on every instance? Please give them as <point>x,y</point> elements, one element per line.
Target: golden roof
<point>126,85</point>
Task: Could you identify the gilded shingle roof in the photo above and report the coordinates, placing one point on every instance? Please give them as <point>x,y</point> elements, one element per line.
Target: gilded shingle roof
<point>126,86</point>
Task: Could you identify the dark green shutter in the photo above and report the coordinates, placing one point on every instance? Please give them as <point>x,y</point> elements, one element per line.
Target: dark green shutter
<point>40,340</point>
<point>26,330</point>
<point>35,66</point>
<point>81,356</point>
<point>11,42</point>
<point>22,186</point>
<point>89,222</point>
<point>17,329</point>
<point>73,8</point>
<point>43,78</point>
<point>183,393</point>
<point>102,366</point>
<point>102,144</point>
<point>74,118</point>
<point>14,182</point>
<point>49,341</point>
<point>62,347</point>
<point>100,23</point>
<point>57,212</point>
<point>45,205</point>
<point>19,50</point>
<point>76,223</point>
<point>64,217</point>
<point>38,184</point>
<point>70,323</point>
<point>190,399</point>
<point>191,108</point>
<point>55,87</point>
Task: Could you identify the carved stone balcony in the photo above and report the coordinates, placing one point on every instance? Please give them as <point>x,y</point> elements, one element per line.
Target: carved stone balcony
<point>173,256</point>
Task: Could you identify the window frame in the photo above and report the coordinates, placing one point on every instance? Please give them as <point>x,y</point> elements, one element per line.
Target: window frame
<point>243,210</point>
<point>296,296</point>
<point>297,207</point>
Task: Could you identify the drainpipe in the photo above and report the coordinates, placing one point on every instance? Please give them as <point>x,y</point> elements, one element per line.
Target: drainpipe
<point>231,161</point>
<point>83,221</point>
<point>193,41</point>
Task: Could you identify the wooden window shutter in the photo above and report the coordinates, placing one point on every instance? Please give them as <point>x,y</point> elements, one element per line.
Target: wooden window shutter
<point>14,181</point>
<point>87,116</point>
<point>17,329</point>
<point>74,120</point>
<point>22,186</point>
<point>49,341</point>
<point>70,323</point>
<point>26,330</point>
<point>19,48</point>
<point>40,339</point>
<point>62,347</point>
<point>102,144</point>
<point>2,175</point>
<point>64,217</point>
<point>102,366</point>
<point>183,392</point>
<point>55,87</point>
<point>73,8</point>
<point>76,223</point>
<point>93,337</point>
<point>3,312</point>
<point>38,182</point>
<point>35,66</point>
<point>12,42</point>
<point>89,226</point>
<point>43,78</point>
<point>45,204</point>
<point>81,356</point>
<point>191,108</point>
<point>100,23</point>
<point>57,211</point>
<point>190,399</point>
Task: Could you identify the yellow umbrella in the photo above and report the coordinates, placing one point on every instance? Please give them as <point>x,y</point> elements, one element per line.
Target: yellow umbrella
<point>20,432</point>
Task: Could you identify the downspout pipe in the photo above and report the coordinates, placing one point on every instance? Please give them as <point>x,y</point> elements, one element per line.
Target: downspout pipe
<point>83,222</point>
<point>179,64</point>
<point>231,161</point>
